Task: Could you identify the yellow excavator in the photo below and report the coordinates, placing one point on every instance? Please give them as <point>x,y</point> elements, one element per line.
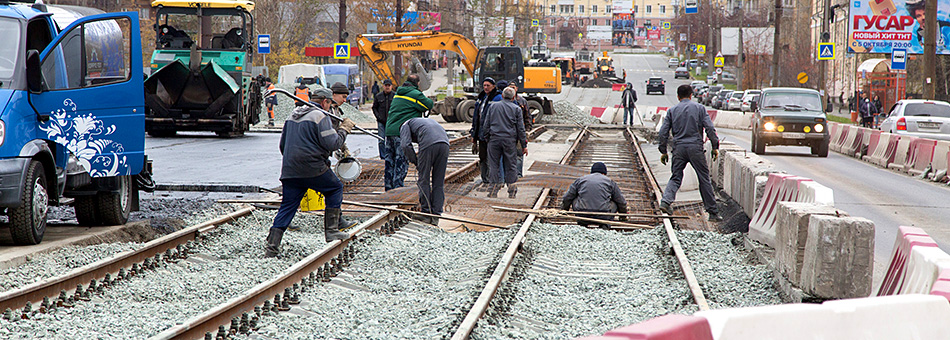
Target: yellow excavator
<point>498,62</point>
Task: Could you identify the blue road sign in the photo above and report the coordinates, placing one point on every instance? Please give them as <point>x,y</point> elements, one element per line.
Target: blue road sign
<point>341,51</point>
<point>666,25</point>
<point>692,6</point>
<point>263,44</point>
<point>899,59</point>
<point>826,51</point>
<point>692,47</point>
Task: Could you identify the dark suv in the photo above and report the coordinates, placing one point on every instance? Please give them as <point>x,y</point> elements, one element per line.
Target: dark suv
<point>656,84</point>
<point>789,116</point>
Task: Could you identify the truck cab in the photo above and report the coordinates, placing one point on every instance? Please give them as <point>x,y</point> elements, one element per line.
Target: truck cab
<point>71,125</point>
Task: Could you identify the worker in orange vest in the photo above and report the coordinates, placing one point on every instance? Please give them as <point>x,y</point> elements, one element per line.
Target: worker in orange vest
<point>302,92</point>
<point>270,101</point>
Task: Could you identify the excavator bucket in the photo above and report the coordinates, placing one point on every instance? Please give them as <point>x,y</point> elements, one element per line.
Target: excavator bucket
<point>425,79</point>
<point>206,93</point>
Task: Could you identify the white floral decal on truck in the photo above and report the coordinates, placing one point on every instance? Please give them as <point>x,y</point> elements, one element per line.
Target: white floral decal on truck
<point>82,135</point>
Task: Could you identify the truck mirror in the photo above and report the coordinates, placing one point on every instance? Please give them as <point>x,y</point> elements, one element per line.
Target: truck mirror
<point>753,105</point>
<point>34,77</point>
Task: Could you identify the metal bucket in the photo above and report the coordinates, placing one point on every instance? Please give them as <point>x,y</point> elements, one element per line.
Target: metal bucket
<point>348,169</point>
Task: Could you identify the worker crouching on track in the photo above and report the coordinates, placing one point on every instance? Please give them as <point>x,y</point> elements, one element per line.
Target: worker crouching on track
<point>687,120</point>
<point>306,142</point>
<point>430,163</point>
<point>595,193</point>
<point>503,128</point>
<point>408,103</point>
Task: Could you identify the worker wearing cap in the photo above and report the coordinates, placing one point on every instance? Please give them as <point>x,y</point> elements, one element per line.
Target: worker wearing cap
<point>270,101</point>
<point>306,142</point>
<point>381,103</point>
<point>595,193</point>
<point>480,147</point>
<point>686,121</point>
<point>430,163</point>
<point>503,129</point>
<point>408,103</point>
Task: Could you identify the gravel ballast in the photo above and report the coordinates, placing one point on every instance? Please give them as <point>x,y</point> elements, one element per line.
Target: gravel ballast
<point>588,281</point>
<point>225,265</point>
<point>406,290</point>
<point>566,112</point>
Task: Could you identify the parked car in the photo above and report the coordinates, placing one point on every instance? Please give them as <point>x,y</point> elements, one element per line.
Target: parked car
<point>721,99</point>
<point>693,63</point>
<point>681,72</point>
<point>656,84</point>
<point>746,95</point>
<point>696,84</point>
<point>790,116</point>
<point>919,118</point>
<point>673,62</point>
<point>711,93</point>
<point>747,100</point>
<point>734,101</point>
<point>727,78</point>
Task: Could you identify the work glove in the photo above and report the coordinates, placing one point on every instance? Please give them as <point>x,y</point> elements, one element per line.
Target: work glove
<point>664,158</point>
<point>715,154</point>
<point>347,125</point>
<point>474,147</point>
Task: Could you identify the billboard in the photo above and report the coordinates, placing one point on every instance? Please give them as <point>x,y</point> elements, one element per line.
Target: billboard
<point>412,21</point>
<point>599,32</point>
<point>755,40</point>
<point>878,26</point>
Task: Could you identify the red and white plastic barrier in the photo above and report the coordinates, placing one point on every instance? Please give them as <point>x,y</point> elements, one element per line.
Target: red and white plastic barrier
<point>902,153</point>
<point>907,239</point>
<point>923,155</point>
<point>667,327</point>
<point>784,188</point>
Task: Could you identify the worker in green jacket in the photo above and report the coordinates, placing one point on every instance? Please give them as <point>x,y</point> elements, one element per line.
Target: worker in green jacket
<point>408,103</point>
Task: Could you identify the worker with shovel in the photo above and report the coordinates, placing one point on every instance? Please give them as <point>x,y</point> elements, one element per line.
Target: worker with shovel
<point>595,193</point>
<point>306,142</point>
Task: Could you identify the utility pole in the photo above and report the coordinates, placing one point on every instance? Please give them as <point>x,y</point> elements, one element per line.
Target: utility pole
<point>397,56</point>
<point>930,49</point>
<point>710,57</point>
<point>741,51</point>
<point>776,44</point>
<point>824,36</point>
<point>342,26</point>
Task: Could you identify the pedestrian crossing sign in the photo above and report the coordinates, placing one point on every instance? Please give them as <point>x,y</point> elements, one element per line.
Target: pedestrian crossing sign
<point>700,49</point>
<point>720,62</point>
<point>666,25</point>
<point>535,23</point>
<point>826,51</point>
<point>341,51</point>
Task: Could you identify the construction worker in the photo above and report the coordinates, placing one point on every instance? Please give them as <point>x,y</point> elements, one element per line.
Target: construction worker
<point>479,147</point>
<point>430,163</point>
<point>687,120</point>
<point>629,101</point>
<point>340,92</point>
<point>528,123</point>
<point>306,142</point>
<point>503,129</point>
<point>596,193</point>
<point>381,103</point>
<point>270,101</point>
<point>302,92</point>
<point>408,103</point>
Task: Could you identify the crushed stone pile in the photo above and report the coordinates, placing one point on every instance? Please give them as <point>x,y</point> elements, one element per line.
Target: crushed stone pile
<point>597,83</point>
<point>566,112</point>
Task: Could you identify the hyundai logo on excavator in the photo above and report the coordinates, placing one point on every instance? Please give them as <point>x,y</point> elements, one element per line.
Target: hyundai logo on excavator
<point>409,44</point>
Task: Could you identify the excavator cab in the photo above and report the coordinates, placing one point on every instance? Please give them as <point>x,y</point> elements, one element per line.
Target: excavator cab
<point>500,63</point>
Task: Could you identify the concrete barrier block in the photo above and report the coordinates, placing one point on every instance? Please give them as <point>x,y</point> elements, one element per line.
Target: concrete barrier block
<point>791,234</point>
<point>839,257</point>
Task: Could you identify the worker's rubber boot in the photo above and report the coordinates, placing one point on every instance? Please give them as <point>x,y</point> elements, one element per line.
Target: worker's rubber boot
<point>434,221</point>
<point>666,208</point>
<point>331,225</point>
<point>714,217</point>
<point>272,248</point>
<point>346,223</point>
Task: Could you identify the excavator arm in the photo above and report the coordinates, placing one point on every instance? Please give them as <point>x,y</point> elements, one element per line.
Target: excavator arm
<point>376,53</point>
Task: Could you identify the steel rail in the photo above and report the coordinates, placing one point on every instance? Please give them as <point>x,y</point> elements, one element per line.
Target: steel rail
<point>501,270</point>
<point>197,326</point>
<point>51,287</point>
<point>694,287</point>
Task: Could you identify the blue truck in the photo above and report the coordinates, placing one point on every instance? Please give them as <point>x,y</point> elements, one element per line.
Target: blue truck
<point>72,122</point>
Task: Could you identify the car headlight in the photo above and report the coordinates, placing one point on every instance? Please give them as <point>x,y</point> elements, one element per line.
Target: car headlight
<point>769,126</point>
<point>819,128</point>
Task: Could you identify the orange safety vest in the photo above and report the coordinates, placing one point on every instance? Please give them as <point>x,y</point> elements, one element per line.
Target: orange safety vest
<point>302,93</point>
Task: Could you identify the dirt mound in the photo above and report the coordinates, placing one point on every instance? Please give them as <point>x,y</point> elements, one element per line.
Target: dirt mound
<point>597,83</point>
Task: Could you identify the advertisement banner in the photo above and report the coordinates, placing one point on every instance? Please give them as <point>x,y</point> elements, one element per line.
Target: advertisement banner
<point>653,34</point>
<point>879,26</point>
<point>599,32</point>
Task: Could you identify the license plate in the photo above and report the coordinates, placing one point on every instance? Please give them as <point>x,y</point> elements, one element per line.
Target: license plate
<point>928,125</point>
<point>793,135</point>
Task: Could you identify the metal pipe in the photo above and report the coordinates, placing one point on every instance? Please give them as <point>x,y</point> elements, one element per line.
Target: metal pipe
<point>269,92</point>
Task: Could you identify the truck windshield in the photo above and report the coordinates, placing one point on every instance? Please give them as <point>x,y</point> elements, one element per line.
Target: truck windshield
<point>337,78</point>
<point>179,28</point>
<point>794,101</point>
<point>9,50</point>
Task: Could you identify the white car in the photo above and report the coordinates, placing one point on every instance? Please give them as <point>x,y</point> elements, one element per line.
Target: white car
<point>919,118</point>
<point>746,105</point>
<point>674,62</point>
<point>746,96</point>
<point>734,101</point>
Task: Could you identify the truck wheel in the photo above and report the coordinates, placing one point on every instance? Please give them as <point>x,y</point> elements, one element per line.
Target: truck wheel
<point>28,221</point>
<point>85,208</point>
<point>114,208</point>
<point>467,109</point>
<point>536,111</point>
